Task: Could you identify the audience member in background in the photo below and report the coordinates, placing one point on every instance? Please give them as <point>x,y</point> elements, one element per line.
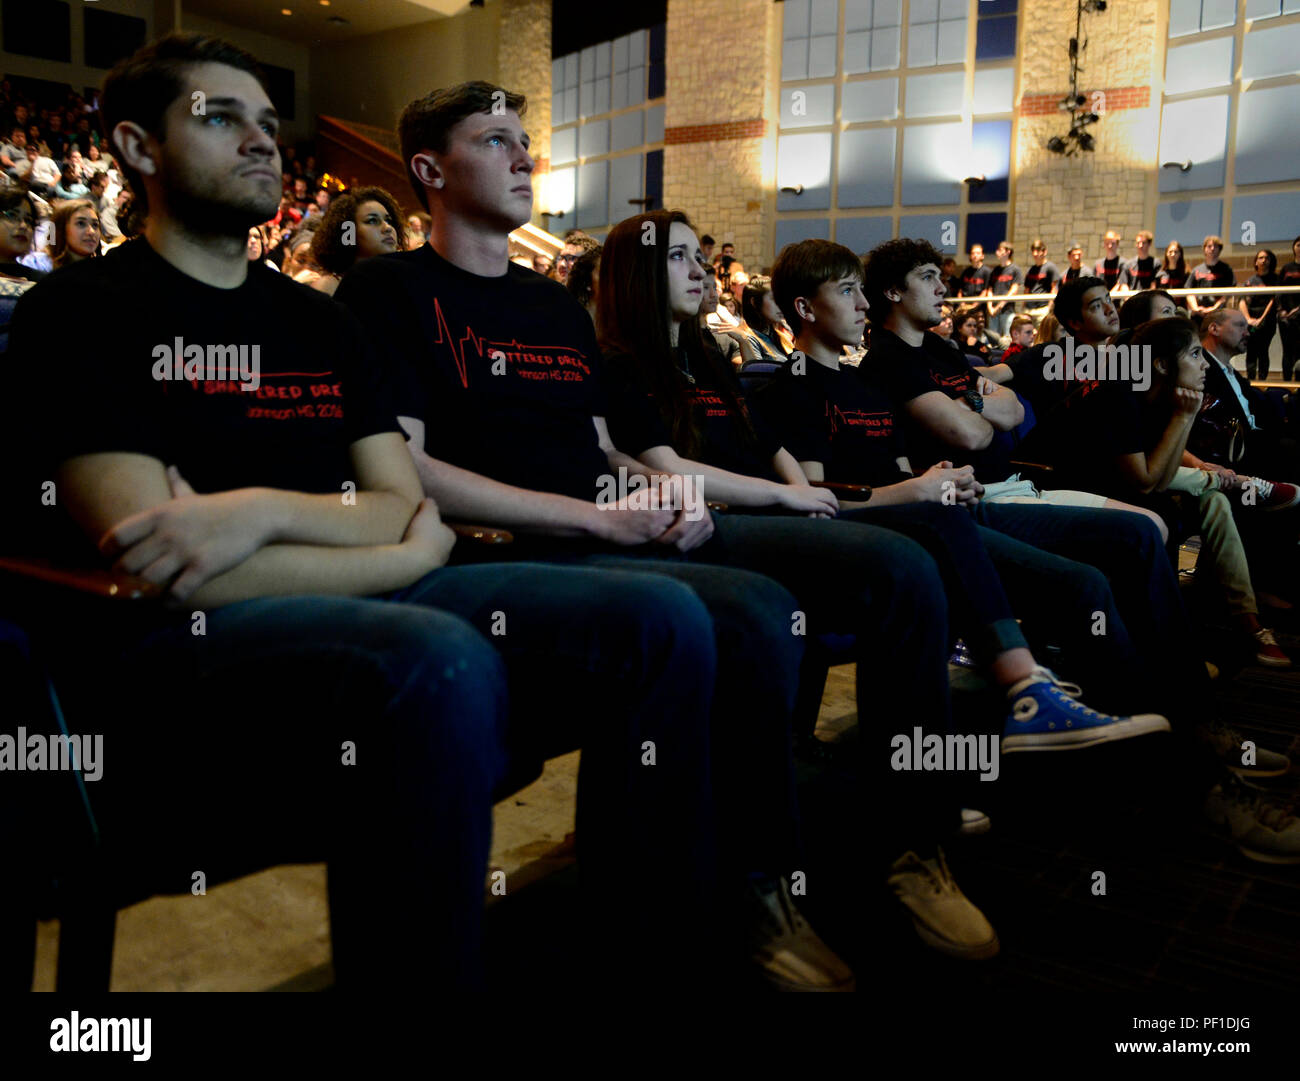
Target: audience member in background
<point>966,332</point>
<point>584,281</point>
<point>975,278</point>
<point>359,224</point>
<point>417,230</point>
<point>95,160</point>
<point>728,303</point>
<point>44,173</point>
<point>1022,336</point>
<point>1145,306</point>
<point>302,200</point>
<point>729,250</point>
<point>1007,279</point>
<point>943,328</point>
<point>17,230</point>
<point>1210,272</point>
<point>13,155</point>
<point>1049,330</point>
<point>70,185</point>
<point>576,244</point>
<point>1288,314</point>
<point>706,247</point>
<point>320,203</point>
<point>1109,266</point>
<point>1140,271</point>
<point>1042,277</point>
<point>1260,311</point>
<point>736,282</point>
<point>56,138</point>
<point>951,276</point>
<point>716,317</point>
<point>78,163</point>
<point>259,246</point>
<point>543,264</point>
<point>76,233</point>
<point>762,323</point>
<point>1173,270</point>
<point>298,261</point>
<point>726,339</point>
<point>1074,264</point>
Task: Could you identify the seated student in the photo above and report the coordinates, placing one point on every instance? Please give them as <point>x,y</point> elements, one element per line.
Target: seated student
<point>17,230</point>
<point>944,328</point>
<point>1007,279</point>
<point>359,224</point>
<point>1074,263</point>
<point>1172,273</point>
<point>1140,271</point>
<point>326,622</point>
<point>76,233</point>
<point>583,282</point>
<point>1129,441</point>
<point>1143,308</point>
<point>1109,267</point>
<point>1260,311</point>
<point>762,322</point>
<point>1042,276</point>
<point>1022,337</point>
<point>716,316</point>
<point>726,343</point>
<point>967,334</point>
<point>974,281</point>
<point>472,344</point>
<point>903,296</point>
<point>691,418</point>
<point>951,278</point>
<point>1209,273</point>
<point>1288,314</point>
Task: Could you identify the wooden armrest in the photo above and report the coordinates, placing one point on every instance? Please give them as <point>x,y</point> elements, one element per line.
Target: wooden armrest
<point>481,534</point>
<point>96,582</point>
<point>849,491</point>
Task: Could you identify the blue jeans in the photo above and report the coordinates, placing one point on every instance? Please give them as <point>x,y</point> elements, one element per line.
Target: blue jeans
<point>296,729</point>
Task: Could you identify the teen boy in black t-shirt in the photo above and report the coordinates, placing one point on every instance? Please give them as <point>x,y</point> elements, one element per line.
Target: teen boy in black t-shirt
<point>1139,272</point>
<point>1209,273</point>
<point>1288,314</point>
<point>976,277</point>
<point>1109,266</point>
<point>1042,276</point>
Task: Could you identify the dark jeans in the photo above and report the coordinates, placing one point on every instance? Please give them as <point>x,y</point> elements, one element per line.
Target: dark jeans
<point>1289,331</point>
<point>231,750</point>
<point>1261,337</point>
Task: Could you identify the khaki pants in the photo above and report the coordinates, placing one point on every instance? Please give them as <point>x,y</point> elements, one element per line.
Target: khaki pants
<point>1220,541</point>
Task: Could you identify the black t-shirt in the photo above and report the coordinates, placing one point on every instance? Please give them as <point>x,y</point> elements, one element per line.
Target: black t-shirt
<point>744,445</point>
<point>905,372</point>
<point>1138,273</point>
<point>18,270</point>
<point>1288,275</point>
<point>504,371</point>
<point>1006,278</point>
<point>1097,423</point>
<point>1041,279</point>
<point>1071,274</point>
<point>317,388</point>
<point>1108,270</point>
<point>1202,276</point>
<point>834,416</point>
<point>1170,279</point>
<point>974,282</point>
<point>1257,303</point>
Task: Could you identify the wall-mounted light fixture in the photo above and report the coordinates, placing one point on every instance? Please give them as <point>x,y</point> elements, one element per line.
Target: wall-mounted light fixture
<point>1181,166</point>
<point>793,189</point>
<point>976,182</point>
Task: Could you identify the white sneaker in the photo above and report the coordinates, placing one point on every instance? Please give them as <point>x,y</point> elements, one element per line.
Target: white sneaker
<point>973,822</point>
<point>1263,831</point>
<point>941,914</point>
<point>786,948</point>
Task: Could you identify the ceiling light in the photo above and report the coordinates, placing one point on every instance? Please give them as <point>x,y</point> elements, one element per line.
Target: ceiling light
<point>286,11</point>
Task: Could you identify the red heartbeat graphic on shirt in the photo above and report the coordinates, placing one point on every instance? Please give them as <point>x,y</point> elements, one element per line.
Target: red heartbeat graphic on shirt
<point>573,361</point>
<point>881,423</point>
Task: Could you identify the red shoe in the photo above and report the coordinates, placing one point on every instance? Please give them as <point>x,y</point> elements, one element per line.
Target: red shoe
<point>1274,494</point>
<point>1267,651</point>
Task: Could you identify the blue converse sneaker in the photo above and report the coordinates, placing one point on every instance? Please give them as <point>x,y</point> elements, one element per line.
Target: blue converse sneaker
<point>1045,717</point>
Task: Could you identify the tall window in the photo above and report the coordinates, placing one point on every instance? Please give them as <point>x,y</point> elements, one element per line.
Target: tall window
<point>1229,155</point>
<point>887,107</point>
<point>607,133</point>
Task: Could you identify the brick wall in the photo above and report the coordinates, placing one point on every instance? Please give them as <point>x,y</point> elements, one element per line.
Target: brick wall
<point>524,65</point>
<point>723,60</point>
<point>1078,198</point>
